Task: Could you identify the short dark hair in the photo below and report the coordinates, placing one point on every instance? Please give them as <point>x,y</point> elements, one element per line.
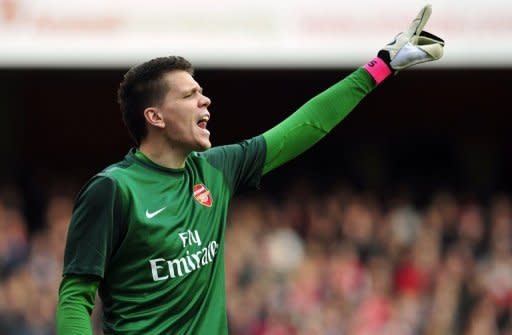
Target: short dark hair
<point>143,86</point>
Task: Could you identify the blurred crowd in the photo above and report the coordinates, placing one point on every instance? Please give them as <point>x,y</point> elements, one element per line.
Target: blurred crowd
<point>307,261</point>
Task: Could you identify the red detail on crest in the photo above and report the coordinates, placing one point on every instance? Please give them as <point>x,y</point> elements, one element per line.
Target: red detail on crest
<point>202,195</point>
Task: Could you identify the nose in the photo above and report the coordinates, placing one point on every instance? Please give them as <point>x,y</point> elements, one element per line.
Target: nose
<point>204,101</point>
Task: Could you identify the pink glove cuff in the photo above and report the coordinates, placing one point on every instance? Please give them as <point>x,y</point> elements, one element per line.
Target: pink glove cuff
<point>378,69</point>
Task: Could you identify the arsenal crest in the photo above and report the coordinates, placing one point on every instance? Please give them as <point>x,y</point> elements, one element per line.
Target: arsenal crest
<point>202,195</point>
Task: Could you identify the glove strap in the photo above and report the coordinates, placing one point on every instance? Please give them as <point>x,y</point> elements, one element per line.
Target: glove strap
<point>378,69</point>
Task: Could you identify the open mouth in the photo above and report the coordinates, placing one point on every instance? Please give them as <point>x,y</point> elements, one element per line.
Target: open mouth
<point>203,122</point>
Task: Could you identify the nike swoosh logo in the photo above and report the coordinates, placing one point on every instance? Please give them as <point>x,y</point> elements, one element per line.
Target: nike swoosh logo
<point>153,214</point>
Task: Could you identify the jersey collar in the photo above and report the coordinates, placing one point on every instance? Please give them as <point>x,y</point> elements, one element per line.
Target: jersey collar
<point>136,155</point>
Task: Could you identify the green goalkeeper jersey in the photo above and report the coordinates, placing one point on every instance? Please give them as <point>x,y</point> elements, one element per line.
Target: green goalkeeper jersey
<point>153,238</point>
<point>156,238</point>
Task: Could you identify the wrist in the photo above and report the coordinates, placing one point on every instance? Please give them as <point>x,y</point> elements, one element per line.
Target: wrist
<point>378,69</point>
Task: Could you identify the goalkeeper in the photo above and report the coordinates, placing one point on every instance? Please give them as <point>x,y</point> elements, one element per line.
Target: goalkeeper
<point>147,233</point>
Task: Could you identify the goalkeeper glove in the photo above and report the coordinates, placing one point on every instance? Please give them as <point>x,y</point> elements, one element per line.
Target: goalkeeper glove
<point>409,48</point>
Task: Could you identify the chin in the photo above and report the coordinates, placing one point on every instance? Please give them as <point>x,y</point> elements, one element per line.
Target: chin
<point>204,145</point>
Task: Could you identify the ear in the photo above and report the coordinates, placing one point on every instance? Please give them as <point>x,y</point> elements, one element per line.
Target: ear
<point>154,117</point>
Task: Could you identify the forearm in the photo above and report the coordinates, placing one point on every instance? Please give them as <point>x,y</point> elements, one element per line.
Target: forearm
<point>76,301</point>
<point>315,119</point>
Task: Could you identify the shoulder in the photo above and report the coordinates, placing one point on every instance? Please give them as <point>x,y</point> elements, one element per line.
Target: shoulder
<point>116,170</point>
<point>106,181</point>
<point>117,174</point>
<point>99,186</point>
<point>253,145</point>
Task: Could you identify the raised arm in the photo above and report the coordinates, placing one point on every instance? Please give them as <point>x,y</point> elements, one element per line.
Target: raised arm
<point>315,119</point>
<point>322,113</point>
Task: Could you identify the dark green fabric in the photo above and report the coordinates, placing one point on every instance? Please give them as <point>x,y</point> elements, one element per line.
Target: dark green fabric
<point>156,238</point>
<point>249,172</point>
<point>95,229</point>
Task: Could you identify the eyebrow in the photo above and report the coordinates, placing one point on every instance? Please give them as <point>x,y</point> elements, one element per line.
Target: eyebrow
<point>194,89</point>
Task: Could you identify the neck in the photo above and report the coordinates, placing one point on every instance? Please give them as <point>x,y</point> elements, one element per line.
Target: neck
<point>163,154</point>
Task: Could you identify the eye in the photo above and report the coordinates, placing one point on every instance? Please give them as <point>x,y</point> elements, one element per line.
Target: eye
<point>192,93</point>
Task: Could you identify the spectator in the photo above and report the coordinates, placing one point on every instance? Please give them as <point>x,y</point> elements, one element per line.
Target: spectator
<point>339,263</point>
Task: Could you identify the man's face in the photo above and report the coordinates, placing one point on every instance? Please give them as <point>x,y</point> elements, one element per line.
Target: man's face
<point>185,113</point>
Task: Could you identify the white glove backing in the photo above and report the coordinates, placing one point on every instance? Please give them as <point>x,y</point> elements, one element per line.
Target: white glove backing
<point>409,48</point>
<point>413,46</point>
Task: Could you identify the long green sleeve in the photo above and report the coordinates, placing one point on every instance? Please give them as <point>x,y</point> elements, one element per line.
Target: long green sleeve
<point>76,301</point>
<point>315,119</point>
